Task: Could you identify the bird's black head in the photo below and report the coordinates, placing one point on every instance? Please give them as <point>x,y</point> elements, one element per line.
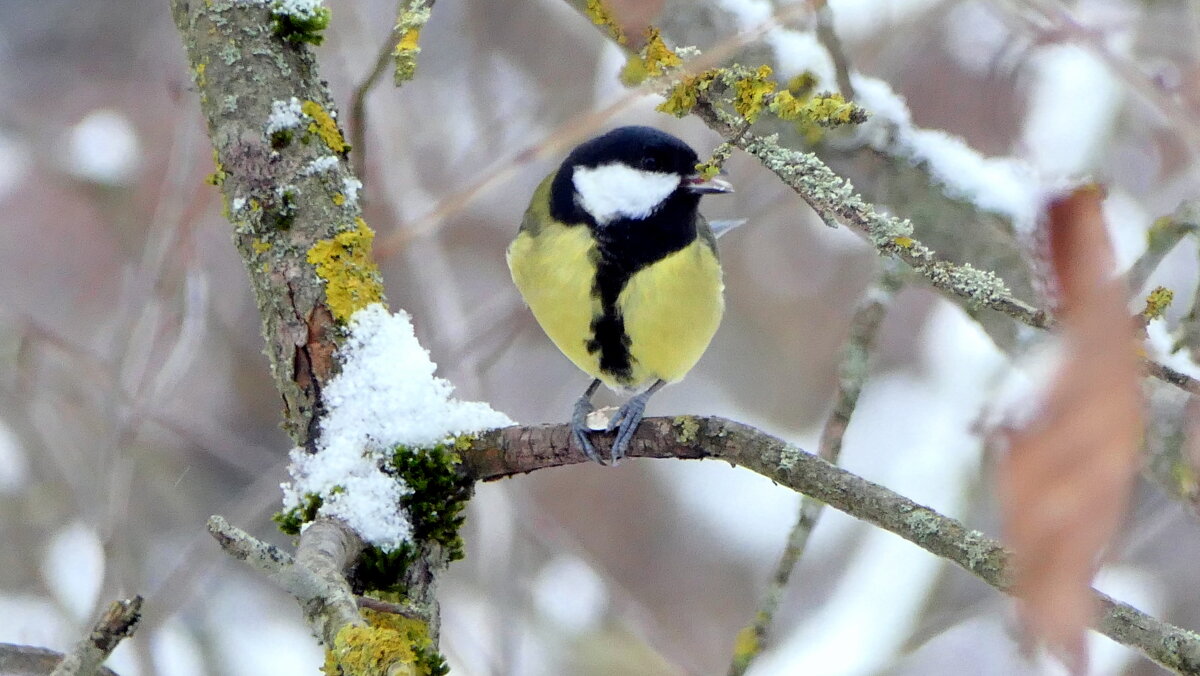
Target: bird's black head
<point>628,174</point>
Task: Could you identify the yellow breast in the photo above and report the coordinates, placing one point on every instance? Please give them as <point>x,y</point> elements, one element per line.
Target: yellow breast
<point>555,276</point>
<point>672,309</point>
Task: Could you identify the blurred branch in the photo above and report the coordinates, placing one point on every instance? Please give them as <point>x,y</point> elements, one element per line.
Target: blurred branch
<point>1160,240</point>
<point>853,374</point>
<point>394,49</point>
<point>23,660</point>
<point>358,101</point>
<point>828,36</point>
<point>119,621</point>
<point>519,450</point>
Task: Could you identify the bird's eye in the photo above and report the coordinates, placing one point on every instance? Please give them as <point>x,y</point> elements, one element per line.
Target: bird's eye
<point>650,163</point>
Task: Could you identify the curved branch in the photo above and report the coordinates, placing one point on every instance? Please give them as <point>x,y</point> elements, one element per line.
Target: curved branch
<point>315,577</point>
<point>519,450</point>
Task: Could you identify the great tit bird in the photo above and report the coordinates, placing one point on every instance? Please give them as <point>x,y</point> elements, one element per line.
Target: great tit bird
<point>621,270</point>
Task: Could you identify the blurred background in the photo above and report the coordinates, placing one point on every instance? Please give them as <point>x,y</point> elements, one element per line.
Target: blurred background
<point>135,399</point>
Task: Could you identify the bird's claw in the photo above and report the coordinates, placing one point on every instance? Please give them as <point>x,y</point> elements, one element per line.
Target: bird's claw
<point>625,422</point>
<point>579,428</point>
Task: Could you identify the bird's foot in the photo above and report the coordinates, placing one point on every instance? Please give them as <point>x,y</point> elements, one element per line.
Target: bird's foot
<point>579,425</point>
<point>625,423</point>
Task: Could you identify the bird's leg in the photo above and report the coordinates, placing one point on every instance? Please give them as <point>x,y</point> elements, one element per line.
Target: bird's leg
<point>625,422</point>
<point>579,427</point>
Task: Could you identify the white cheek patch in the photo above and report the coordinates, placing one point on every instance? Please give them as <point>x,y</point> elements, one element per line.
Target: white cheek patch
<point>613,191</point>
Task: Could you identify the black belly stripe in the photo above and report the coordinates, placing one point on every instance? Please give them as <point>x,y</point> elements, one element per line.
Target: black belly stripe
<point>623,247</point>
<point>608,328</point>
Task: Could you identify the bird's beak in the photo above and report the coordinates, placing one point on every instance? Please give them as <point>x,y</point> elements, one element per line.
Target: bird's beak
<point>707,186</point>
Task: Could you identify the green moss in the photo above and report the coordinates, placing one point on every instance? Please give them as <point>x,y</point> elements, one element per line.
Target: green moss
<point>437,496</point>
<point>290,521</point>
<point>439,493</point>
<point>352,279</point>
<point>300,28</point>
<point>325,127</point>
<point>281,138</point>
<point>383,572</point>
<point>284,211</point>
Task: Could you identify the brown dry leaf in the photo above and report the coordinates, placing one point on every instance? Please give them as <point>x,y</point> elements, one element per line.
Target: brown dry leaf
<point>1066,480</point>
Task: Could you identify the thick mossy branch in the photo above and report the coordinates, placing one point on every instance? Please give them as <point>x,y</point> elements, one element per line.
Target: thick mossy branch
<point>288,191</point>
<point>518,450</point>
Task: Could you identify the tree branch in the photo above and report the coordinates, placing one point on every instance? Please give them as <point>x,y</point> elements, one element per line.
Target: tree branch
<point>119,621</point>
<point>315,577</point>
<point>519,450</point>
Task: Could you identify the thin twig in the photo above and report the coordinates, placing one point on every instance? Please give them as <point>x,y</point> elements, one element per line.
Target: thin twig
<point>358,101</point>
<point>118,622</point>
<point>853,374</point>
<point>1162,238</point>
<point>829,39</point>
<point>519,450</point>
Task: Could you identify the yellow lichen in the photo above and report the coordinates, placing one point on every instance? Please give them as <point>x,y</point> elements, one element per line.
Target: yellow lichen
<point>601,15</point>
<point>339,199</point>
<point>684,95</point>
<point>688,428</point>
<point>658,56</point>
<point>218,176</point>
<point>363,651</point>
<point>259,246</point>
<point>201,80</point>
<point>750,92</point>
<point>324,126</point>
<point>351,278</point>
<point>713,166</point>
<point>408,41</point>
<point>745,645</point>
<point>904,242</point>
<point>802,85</point>
<point>1157,302</point>
<point>405,55</point>
<point>831,110</point>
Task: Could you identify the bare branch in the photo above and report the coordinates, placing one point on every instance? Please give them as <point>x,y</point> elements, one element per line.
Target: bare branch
<point>24,660</point>
<point>315,577</point>
<point>519,450</point>
<point>119,621</point>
